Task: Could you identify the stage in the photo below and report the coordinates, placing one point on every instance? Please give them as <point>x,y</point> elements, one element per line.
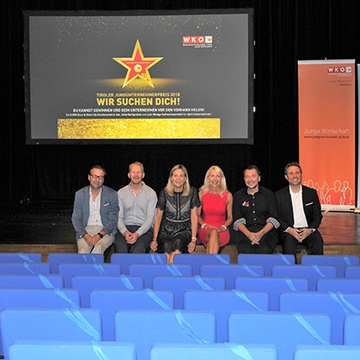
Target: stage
<point>46,227</point>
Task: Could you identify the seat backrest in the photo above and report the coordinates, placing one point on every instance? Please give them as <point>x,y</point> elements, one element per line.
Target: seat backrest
<point>197,260</point>
<point>352,329</point>
<point>71,350</point>
<point>68,270</point>
<point>87,283</point>
<point>327,352</point>
<point>266,260</point>
<point>212,352</point>
<point>148,272</point>
<point>310,272</point>
<point>352,272</point>
<point>231,272</point>
<point>146,327</point>
<point>283,329</point>
<point>335,304</point>
<point>20,257</point>
<point>39,298</point>
<point>55,259</point>
<point>24,268</point>
<point>339,261</point>
<point>109,301</point>
<point>49,324</point>
<point>272,285</point>
<point>179,284</point>
<point>31,281</point>
<point>125,260</point>
<point>339,284</point>
<point>224,302</point>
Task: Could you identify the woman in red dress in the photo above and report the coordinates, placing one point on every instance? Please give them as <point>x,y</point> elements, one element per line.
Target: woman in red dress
<point>215,212</point>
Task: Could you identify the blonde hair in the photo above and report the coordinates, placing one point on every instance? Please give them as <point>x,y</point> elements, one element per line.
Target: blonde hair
<point>170,187</point>
<point>206,186</point>
<point>138,163</point>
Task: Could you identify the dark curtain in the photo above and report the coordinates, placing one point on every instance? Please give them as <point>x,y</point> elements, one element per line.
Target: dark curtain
<point>285,32</point>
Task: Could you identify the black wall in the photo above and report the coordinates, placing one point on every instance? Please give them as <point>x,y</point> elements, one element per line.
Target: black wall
<point>285,31</point>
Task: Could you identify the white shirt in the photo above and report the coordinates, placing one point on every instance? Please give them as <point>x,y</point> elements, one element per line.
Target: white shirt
<point>94,210</point>
<point>298,209</point>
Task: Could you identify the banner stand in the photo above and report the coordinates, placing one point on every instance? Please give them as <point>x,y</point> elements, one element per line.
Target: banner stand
<point>327,135</point>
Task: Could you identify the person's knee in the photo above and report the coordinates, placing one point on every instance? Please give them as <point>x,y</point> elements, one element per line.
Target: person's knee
<point>120,247</point>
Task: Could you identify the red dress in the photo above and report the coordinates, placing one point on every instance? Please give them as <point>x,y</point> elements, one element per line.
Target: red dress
<point>213,212</point>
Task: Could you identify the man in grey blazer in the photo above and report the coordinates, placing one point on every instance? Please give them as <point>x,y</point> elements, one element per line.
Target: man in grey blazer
<point>300,214</point>
<point>95,214</point>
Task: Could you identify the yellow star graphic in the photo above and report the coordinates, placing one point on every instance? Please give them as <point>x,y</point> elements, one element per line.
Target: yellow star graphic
<point>138,66</point>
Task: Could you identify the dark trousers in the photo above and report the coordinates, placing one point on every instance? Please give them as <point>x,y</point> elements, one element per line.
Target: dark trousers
<point>266,246</point>
<point>141,246</point>
<point>313,242</point>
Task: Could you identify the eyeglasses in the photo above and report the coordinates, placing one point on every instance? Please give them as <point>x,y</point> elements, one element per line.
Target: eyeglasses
<point>96,177</point>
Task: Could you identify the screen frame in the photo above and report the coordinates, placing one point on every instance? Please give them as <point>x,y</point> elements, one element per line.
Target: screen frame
<point>249,140</point>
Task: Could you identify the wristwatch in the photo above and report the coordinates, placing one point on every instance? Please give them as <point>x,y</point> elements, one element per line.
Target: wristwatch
<point>101,235</point>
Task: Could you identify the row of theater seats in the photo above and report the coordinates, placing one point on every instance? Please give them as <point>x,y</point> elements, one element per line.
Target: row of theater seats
<point>145,328</point>
<point>337,305</point>
<point>125,260</point>
<point>71,350</point>
<point>171,291</point>
<point>178,284</point>
<point>266,261</point>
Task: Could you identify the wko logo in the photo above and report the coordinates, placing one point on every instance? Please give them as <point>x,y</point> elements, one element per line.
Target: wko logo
<point>339,69</point>
<point>197,41</point>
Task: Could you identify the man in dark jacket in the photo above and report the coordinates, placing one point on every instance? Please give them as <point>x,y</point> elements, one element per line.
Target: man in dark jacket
<point>299,214</point>
<point>255,216</point>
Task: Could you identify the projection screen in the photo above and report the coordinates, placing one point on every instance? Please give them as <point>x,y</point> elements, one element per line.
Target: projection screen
<point>130,77</point>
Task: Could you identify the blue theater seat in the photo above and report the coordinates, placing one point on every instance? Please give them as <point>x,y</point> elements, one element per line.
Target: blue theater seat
<point>327,352</point>
<point>24,268</point>
<point>69,270</point>
<point>352,329</point>
<point>147,327</point>
<point>110,301</point>
<point>283,329</point>
<point>223,351</point>
<point>222,303</point>
<point>87,283</point>
<point>31,281</point>
<point>20,257</point>
<point>335,304</point>
<point>231,272</point>
<point>272,285</point>
<point>125,260</point>
<point>266,260</point>
<point>178,285</point>
<point>339,284</point>
<point>148,272</point>
<point>197,260</point>
<point>352,272</point>
<point>339,261</point>
<point>71,350</point>
<point>66,324</point>
<point>310,272</point>
<point>37,298</point>
<point>55,259</point>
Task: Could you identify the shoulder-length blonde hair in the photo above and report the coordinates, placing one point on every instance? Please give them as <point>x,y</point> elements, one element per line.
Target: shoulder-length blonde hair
<point>206,186</point>
<point>170,187</point>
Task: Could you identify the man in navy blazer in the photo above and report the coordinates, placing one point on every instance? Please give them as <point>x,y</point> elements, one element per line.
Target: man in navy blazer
<point>300,214</point>
<point>95,214</point>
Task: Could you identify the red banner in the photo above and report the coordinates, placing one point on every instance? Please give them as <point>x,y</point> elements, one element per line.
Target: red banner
<point>327,135</point>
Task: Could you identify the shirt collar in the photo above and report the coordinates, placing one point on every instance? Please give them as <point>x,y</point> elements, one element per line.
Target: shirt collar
<point>292,192</point>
